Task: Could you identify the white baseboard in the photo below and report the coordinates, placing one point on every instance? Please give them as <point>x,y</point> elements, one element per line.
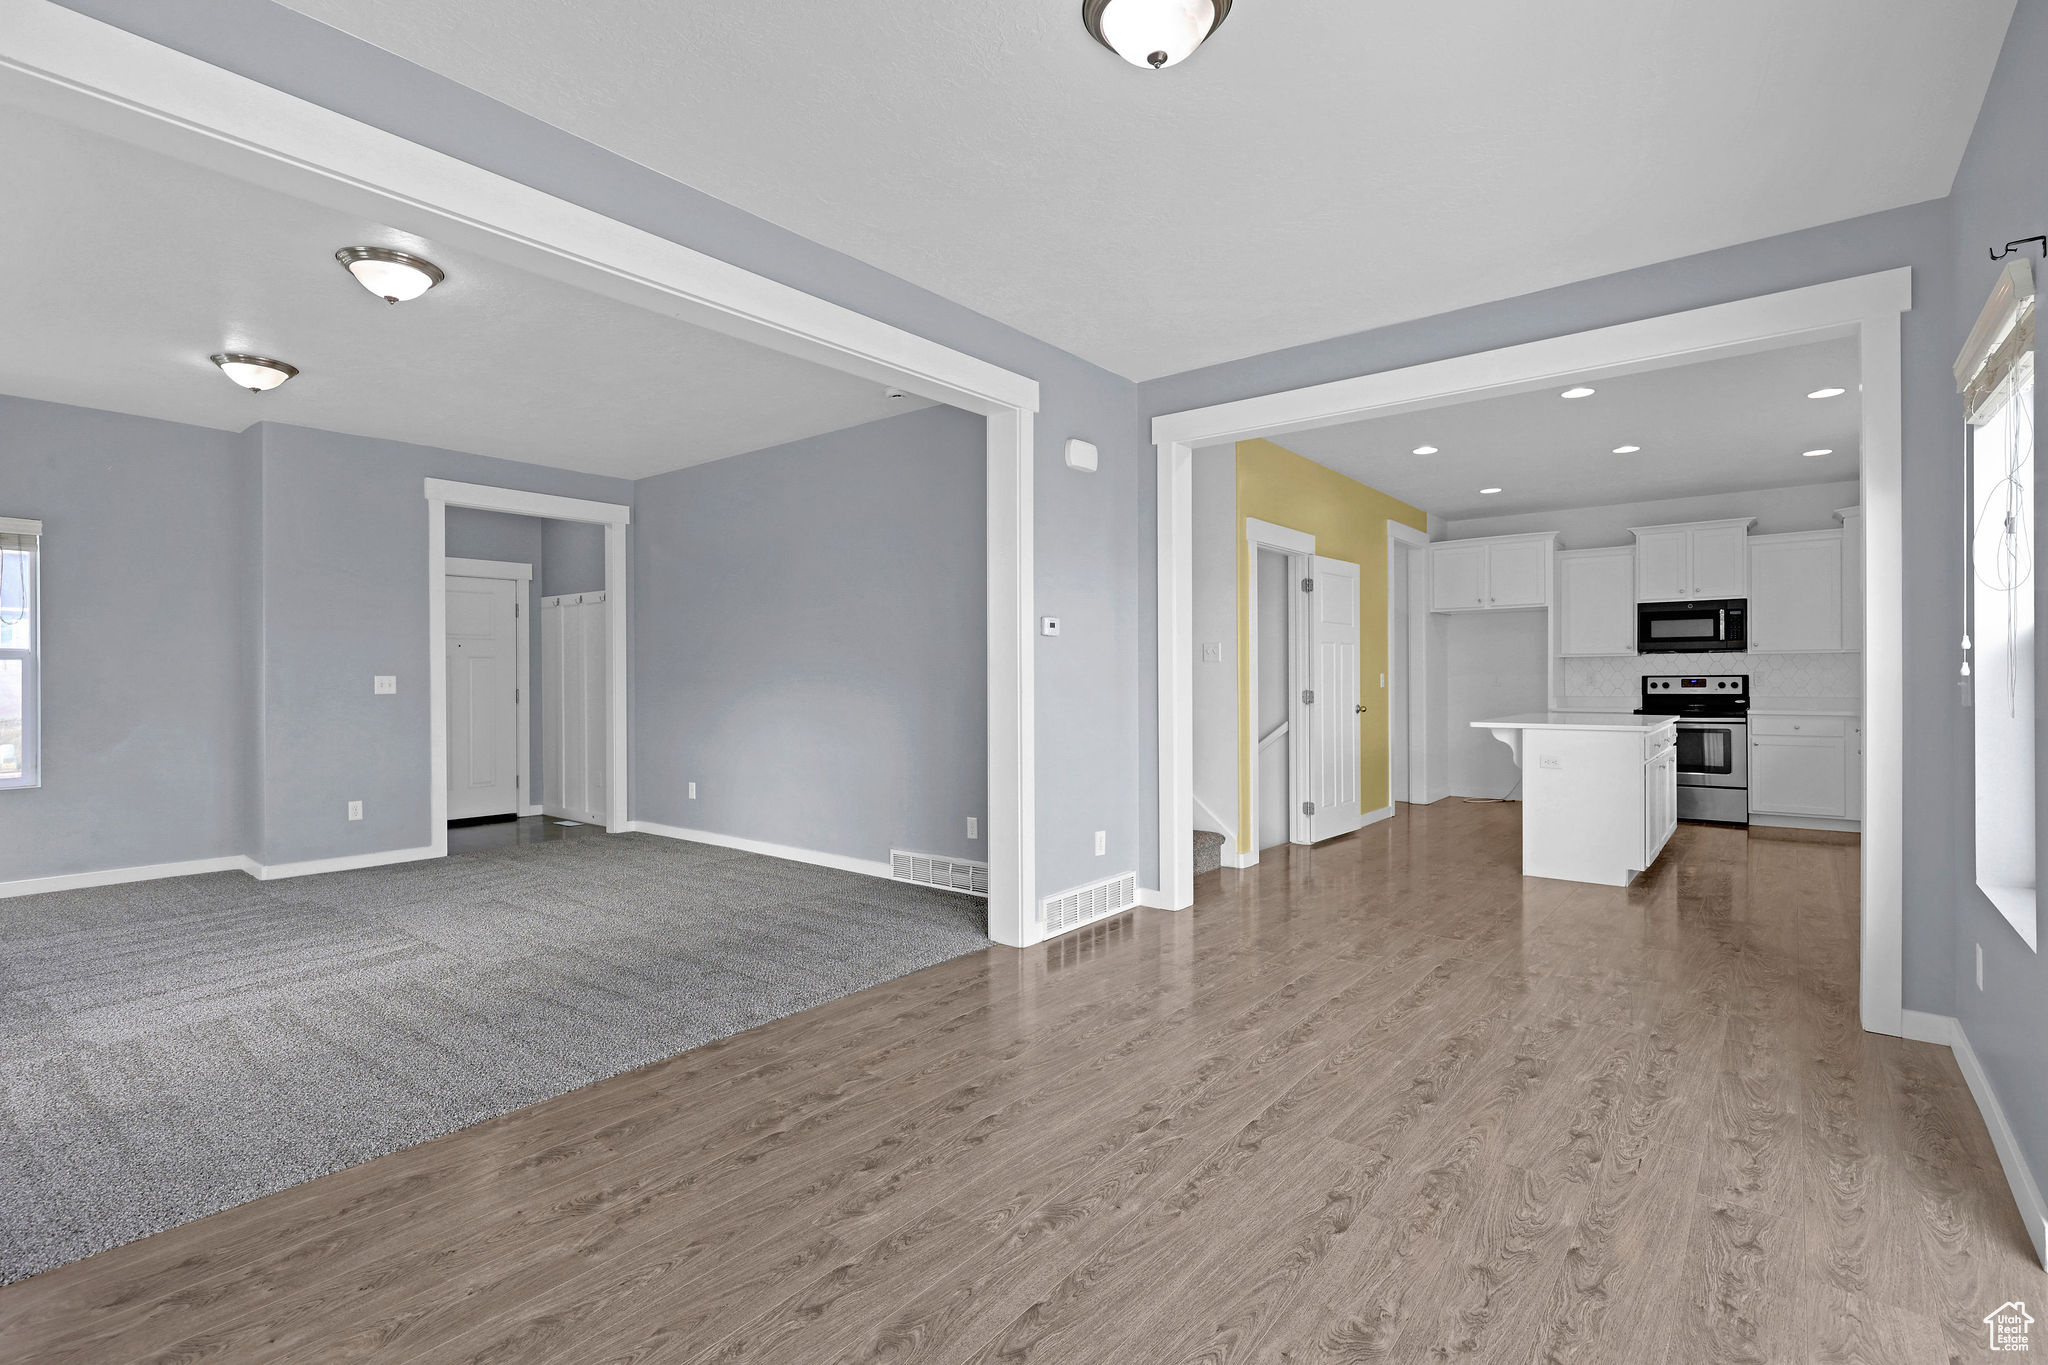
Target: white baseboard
<point>1373,817</point>
<point>1151,899</point>
<point>866,866</point>
<point>1232,858</point>
<point>2026,1192</point>
<point>1806,822</point>
<point>270,872</point>
<point>114,876</point>
<point>525,811</point>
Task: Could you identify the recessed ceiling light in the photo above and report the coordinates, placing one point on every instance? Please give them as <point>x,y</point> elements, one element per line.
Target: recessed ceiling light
<point>1827,393</point>
<point>392,276</point>
<point>1626,450</point>
<point>1580,392</point>
<point>1489,490</point>
<point>254,372</point>
<point>1811,453</point>
<point>1425,450</point>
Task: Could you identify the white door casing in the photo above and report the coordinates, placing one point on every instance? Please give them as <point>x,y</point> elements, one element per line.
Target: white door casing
<point>1333,760</point>
<point>483,697</point>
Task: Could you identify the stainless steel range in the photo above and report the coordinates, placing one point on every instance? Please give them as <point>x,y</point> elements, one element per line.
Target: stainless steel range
<point>1713,741</point>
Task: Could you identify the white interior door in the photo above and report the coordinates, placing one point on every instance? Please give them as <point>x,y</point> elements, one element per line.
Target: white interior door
<point>1397,674</point>
<point>574,656</point>
<point>483,697</point>
<point>1333,711</point>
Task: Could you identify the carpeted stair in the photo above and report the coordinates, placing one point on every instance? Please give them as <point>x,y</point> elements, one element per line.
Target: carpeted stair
<point>1208,851</point>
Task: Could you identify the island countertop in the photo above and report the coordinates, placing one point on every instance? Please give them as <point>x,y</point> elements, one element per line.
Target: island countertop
<point>1575,720</point>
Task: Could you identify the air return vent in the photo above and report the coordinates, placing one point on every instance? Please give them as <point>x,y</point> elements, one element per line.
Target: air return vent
<point>1092,902</point>
<point>948,874</point>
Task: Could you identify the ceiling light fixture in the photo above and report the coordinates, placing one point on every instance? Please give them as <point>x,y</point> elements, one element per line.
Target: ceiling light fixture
<point>1626,450</point>
<point>1425,450</point>
<point>1153,33</point>
<point>1489,490</point>
<point>1580,392</point>
<point>1809,454</point>
<point>254,372</point>
<point>392,276</point>
<point>1827,393</point>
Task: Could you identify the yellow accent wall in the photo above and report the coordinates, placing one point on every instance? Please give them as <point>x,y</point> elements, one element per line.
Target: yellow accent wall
<point>1349,521</point>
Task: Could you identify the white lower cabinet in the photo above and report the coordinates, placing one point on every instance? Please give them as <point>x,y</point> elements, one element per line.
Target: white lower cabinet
<point>1799,765</point>
<point>1660,803</point>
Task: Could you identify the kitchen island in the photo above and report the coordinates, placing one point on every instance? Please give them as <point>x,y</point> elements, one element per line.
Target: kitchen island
<point>1599,791</point>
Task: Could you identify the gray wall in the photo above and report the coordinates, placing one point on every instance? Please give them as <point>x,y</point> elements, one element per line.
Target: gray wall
<point>344,534</point>
<point>148,613</point>
<point>811,635</point>
<point>573,552</point>
<point>1095,538</point>
<point>2001,193</point>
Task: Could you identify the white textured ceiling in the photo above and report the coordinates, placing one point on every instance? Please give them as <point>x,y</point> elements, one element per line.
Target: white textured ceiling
<point>1318,168</point>
<point>1714,427</point>
<point>130,269</point>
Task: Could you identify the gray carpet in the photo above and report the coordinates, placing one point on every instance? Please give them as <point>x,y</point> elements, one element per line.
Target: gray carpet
<point>169,1049</point>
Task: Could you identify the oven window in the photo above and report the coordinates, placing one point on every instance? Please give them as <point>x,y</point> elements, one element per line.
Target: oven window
<point>1710,751</point>
<point>1682,627</point>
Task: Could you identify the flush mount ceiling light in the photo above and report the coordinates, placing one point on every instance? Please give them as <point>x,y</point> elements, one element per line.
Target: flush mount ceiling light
<point>1809,454</point>
<point>1153,33</point>
<point>392,276</point>
<point>254,372</point>
<point>1626,450</point>
<point>1425,450</point>
<point>1580,392</point>
<point>1489,490</point>
<point>1827,393</point>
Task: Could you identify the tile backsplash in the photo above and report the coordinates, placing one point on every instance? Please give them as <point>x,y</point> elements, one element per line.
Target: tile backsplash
<point>1770,675</point>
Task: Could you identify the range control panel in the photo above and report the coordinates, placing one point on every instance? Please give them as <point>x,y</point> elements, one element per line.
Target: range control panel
<point>1714,684</point>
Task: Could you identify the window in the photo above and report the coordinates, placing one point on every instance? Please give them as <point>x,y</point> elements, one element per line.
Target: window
<point>20,690</point>
<point>1999,646</point>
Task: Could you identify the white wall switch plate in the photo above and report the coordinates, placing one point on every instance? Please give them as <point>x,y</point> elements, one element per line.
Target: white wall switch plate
<point>1550,761</point>
<point>1101,842</point>
<point>1048,625</point>
<point>693,791</point>
<point>384,684</point>
<point>355,810</point>
<point>1082,455</point>
<point>973,828</point>
<point>1212,652</point>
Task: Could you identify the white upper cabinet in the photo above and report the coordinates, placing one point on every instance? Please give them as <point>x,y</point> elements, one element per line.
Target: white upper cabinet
<point>1596,602</point>
<point>1795,593</point>
<point>1457,577</point>
<point>1693,559</point>
<point>1493,573</point>
<point>1518,572</point>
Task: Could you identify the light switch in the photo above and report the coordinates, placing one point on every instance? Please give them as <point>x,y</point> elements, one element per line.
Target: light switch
<point>384,684</point>
<point>1101,842</point>
<point>1212,652</point>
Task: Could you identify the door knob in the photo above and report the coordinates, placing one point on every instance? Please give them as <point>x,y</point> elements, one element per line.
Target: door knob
<point>1361,708</point>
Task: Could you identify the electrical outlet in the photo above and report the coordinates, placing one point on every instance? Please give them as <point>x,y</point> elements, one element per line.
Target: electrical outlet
<point>383,685</point>
<point>1550,761</point>
<point>355,810</point>
<point>973,828</point>
<point>693,791</point>
<point>1101,842</point>
<point>1980,966</point>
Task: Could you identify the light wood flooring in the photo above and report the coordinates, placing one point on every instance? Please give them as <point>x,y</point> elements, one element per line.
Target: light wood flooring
<point>1382,1100</point>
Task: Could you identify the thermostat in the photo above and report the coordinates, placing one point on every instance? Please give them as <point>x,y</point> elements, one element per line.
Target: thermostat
<point>1081,455</point>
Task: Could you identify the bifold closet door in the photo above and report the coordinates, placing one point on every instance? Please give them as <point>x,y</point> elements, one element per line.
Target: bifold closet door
<point>573,659</point>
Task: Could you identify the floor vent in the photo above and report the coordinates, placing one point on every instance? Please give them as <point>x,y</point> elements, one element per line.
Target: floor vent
<point>1111,896</point>
<point>948,874</point>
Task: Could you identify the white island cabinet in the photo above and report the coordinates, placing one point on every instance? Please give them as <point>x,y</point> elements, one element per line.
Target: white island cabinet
<point>1599,791</point>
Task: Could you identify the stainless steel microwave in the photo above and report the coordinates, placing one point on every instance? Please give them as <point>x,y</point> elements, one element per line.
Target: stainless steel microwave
<point>1707,627</point>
